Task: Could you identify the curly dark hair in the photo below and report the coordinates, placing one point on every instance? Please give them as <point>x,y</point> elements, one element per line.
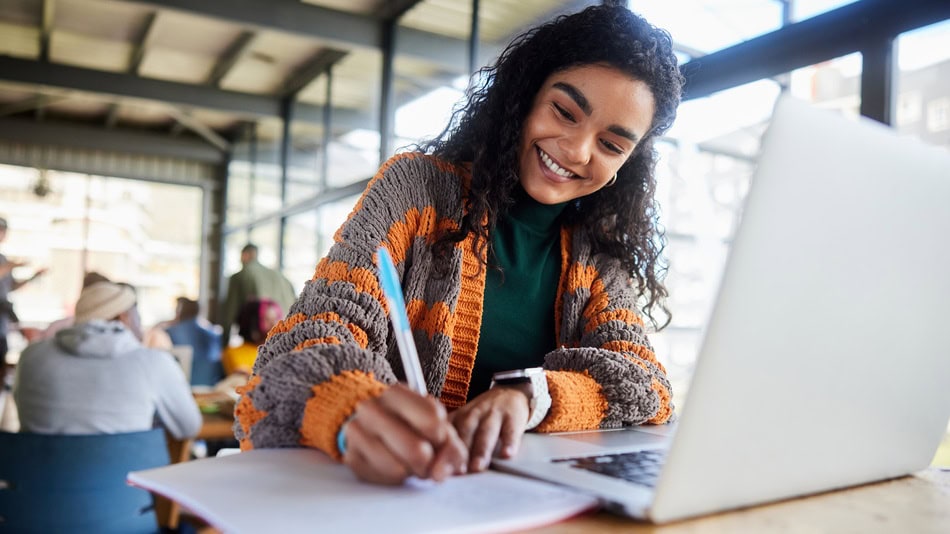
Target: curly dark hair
<point>486,132</point>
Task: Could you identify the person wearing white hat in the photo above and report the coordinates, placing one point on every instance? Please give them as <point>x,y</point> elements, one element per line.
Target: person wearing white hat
<point>96,377</point>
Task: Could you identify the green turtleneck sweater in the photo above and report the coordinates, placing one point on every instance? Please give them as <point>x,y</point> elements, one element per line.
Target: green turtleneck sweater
<point>518,314</point>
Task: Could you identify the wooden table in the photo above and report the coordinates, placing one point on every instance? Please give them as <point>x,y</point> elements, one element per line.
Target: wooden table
<point>215,425</point>
<point>918,504</point>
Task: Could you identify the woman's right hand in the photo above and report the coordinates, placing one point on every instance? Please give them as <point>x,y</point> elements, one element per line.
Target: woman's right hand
<point>401,434</point>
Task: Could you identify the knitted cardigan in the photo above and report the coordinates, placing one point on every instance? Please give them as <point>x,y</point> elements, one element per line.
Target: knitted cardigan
<point>333,350</point>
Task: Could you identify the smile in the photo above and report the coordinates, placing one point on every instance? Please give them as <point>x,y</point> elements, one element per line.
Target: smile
<point>554,167</point>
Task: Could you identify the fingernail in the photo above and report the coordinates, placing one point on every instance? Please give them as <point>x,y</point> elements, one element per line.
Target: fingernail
<point>510,451</point>
<point>483,462</point>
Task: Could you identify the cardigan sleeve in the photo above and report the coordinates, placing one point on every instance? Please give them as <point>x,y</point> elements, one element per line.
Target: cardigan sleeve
<point>611,377</point>
<point>329,353</point>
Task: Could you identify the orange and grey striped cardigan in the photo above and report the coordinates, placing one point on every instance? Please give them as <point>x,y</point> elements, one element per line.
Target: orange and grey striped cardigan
<point>333,350</point>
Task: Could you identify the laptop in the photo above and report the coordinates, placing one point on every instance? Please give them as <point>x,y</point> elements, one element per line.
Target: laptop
<point>825,363</point>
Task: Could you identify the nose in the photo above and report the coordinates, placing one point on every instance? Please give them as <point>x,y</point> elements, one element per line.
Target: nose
<point>577,148</point>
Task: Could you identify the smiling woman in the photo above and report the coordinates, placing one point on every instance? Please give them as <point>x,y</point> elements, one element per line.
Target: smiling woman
<point>525,237</point>
<point>584,124</point>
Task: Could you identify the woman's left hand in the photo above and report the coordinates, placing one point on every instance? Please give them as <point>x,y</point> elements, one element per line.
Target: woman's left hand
<point>494,419</point>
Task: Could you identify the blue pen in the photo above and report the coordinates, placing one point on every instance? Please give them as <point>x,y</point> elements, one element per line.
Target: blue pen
<point>389,281</point>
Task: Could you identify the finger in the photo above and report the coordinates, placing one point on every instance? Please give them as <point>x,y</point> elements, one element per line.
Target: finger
<point>370,460</point>
<point>409,448</point>
<point>509,439</point>
<point>451,459</point>
<point>484,441</point>
<point>466,423</point>
<point>424,414</point>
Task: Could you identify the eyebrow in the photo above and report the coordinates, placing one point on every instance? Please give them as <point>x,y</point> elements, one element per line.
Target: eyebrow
<point>584,104</point>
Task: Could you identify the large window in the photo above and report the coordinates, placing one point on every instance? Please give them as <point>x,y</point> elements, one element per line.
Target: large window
<point>147,234</point>
<point>923,84</point>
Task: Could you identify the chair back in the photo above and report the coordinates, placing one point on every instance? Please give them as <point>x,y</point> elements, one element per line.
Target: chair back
<point>77,483</point>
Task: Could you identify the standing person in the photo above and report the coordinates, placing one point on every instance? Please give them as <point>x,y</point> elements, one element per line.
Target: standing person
<point>191,330</point>
<point>97,378</point>
<point>8,284</point>
<point>253,281</point>
<point>525,235</point>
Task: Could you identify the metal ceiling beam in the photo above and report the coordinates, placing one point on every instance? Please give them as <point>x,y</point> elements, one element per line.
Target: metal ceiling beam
<point>836,33</point>
<point>231,56</point>
<point>112,116</point>
<point>125,85</point>
<point>46,27</point>
<point>310,71</point>
<point>141,43</point>
<point>28,104</point>
<point>338,28</point>
<point>114,140</point>
<point>196,126</point>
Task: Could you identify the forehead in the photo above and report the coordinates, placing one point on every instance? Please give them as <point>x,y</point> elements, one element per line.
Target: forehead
<point>613,95</point>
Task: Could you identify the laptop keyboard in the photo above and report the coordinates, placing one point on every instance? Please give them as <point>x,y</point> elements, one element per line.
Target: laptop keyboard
<point>639,467</point>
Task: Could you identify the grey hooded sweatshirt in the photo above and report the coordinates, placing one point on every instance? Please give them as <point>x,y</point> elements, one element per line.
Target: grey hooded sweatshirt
<point>97,378</point>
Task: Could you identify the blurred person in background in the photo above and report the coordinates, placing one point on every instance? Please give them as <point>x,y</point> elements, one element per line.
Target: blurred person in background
<point>97,378</point>
<point>192,330</point>
<point>87,280</point>
<point>255,319</point>
<point>253,281</point>
<point>8,284</point>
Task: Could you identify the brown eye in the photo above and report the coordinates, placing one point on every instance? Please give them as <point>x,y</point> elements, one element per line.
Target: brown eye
<point>612,147</point>
<point>563,112</point>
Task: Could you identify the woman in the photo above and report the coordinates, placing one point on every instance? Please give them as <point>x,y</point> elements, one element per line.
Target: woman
<point>524,235</point>
<point>255,318</point>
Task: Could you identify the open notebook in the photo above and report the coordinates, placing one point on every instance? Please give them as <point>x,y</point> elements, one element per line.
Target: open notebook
<point>302,490</point>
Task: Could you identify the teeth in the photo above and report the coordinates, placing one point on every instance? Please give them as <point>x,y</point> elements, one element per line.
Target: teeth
<point>555,168</point>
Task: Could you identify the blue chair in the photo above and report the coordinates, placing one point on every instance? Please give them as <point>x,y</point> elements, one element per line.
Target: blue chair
<point>54,483</point>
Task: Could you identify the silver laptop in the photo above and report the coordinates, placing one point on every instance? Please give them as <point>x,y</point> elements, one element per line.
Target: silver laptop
<point>826,362</point>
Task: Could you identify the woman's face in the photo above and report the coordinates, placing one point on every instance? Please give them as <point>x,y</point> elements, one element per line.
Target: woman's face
<point>584,124</point>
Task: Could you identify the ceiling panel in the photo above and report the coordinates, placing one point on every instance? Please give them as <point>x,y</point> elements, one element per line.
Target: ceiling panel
<point>143,114</point>
<point>23,12</point>
<point>78,108</point>
<point>214,119</point>
<point>192,34</point>
<point>92,52</point>
<point>362,7</point>
<point>176,66</point>
<point>356,82</point>
<point>113,21</point>
<point>19,41</point>
<point>270,60</point>
<point>498,20</point>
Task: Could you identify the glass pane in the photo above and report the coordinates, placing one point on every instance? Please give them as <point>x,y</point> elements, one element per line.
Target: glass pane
<point>120,228</point>
<point>805,9</point>
<point>704,26</point>
<point>301,242</point>
<point>922,108</point>
<point>834,84</point>
<point>354,150</point>
<point>706,166</point>
<point>331,218</point>
<point>240,170</point>
<point>702,179</point>
<point>266,239</point>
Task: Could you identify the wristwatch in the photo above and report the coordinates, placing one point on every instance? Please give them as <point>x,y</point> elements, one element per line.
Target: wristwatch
<point>534,383</point>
